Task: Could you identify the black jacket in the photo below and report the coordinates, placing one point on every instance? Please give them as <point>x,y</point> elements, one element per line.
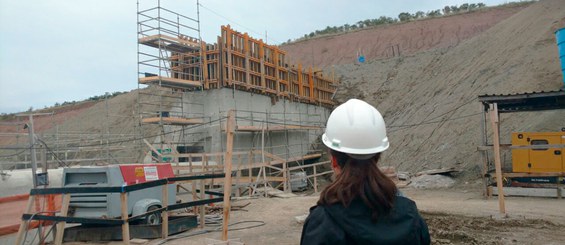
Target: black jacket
<point>336,224</point>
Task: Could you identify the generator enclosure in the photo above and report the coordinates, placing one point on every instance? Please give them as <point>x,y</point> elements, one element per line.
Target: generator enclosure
<point>544,160</point>
<point>108,205</point>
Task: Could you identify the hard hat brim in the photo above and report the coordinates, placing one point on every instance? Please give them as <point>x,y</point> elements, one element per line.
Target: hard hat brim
<point>327,142</point>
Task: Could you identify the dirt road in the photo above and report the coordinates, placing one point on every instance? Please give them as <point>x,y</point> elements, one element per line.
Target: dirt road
<point>454,217</point>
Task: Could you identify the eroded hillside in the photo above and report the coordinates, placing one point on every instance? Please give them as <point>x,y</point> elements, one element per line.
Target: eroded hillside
<point>429,99</point>
<point>405,38</point>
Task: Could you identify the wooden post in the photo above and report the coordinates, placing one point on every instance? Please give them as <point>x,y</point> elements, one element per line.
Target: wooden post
<point>61,225</point>
<point>230,128</point>
<point>484,154</point>
<point>277,77</point>
<point>24,224</point>
<point>300,86</point>
<point>497,164</point>
<point>250,172</point>
<point>285,177</point>
<point>238,177</point>
<point>125,214</point>
<point>203,56</point>
<point>202,208</point>
<point>311,83</point>
<point>165,213</point>
<point>228,51</point>
<point>315,180</point>
<point>262,62</point>
<point>247,53</point>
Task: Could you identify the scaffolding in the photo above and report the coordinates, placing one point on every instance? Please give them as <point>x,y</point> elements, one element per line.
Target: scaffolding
<point>163,35</point>
<point>265,163</point>
<point>177,65</point>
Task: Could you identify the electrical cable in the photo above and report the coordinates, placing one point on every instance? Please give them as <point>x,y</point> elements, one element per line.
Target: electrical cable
<point>441,115</point>
<point>15,154</point>
<point>61,162</point>
<point>138,138</point>
<point>431,122</point>
<point>213,220</point>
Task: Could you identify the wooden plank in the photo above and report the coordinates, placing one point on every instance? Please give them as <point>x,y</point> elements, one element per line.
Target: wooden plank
<point>170,43</point>
<point>228,167</point>
<point>125,214</point>
<point>204,59</point>
<point>313,175</point>
<point>173,120</point>
<point>153,38</point>
<point>311,83</point>
<point>24,223</point>
<point>169,82</point>
<point>250,128</point>
<point>61,225</point>
<point>497,163</point>
<point>151,147</point>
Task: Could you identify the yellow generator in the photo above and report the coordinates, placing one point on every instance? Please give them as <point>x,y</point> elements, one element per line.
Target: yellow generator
<point>538,160</point>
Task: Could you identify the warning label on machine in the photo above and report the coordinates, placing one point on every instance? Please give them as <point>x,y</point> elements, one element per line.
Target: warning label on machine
<point>139,172</point>
<point>151,173</point>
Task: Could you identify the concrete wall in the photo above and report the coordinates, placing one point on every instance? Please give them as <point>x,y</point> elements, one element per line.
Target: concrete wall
<point>252,109</point>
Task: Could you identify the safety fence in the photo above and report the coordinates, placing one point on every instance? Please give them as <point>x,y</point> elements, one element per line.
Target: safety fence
<point>125,219</point>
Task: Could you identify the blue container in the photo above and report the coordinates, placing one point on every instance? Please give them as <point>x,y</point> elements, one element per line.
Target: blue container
<point>560,35</point>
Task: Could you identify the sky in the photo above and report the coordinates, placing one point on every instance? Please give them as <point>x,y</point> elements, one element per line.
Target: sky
<point>66,50</point>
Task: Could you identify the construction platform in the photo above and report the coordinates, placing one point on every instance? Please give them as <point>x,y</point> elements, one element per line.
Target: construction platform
<point>169,82</point>
<point>172,120</point>
<point>174,44</point>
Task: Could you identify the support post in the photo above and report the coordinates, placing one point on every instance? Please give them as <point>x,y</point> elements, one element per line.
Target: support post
<point>498,166</point>
<point>32,151</point>
<point>315,180</point>
<point>203,207</point>
<point>230,128</point>
<point>484,154</point>
<point>24,224</point>
<point>285,177</point>
<point>61,225</point>
<point>165,213</point>
<point>125,214</point>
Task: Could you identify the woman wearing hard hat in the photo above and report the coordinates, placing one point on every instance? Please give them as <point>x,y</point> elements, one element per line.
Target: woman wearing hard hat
<point>362,205</point>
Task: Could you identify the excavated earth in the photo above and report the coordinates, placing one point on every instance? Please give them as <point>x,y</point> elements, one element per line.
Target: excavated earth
<point>429,98</point>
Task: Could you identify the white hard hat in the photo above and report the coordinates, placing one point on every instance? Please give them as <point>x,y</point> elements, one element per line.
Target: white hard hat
<point>356,128</point>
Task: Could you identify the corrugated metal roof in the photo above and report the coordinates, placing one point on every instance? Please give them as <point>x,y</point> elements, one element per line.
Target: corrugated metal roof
<point>530,101</point>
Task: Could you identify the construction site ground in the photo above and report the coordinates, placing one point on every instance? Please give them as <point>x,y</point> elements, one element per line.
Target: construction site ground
<point>459,215</point>
<point>428,97</point>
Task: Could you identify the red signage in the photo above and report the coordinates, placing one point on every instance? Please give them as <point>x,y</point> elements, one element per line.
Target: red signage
<point>141,173</point>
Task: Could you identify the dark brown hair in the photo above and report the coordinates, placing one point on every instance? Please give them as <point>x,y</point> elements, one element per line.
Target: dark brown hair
<point>360,179</point>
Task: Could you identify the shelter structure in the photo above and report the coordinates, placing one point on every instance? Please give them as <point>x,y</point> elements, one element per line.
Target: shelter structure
<point>492,106</point>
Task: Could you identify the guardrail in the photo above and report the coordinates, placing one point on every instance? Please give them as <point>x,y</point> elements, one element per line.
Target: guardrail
<point>62,218</point>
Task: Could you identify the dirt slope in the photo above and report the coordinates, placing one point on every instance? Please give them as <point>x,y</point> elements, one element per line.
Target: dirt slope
<point>410,37</point>
<point>89,125</point>
<point>429,99</point>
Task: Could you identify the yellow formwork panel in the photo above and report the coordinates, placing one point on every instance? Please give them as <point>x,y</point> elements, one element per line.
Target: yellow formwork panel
<point>546,160</point>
